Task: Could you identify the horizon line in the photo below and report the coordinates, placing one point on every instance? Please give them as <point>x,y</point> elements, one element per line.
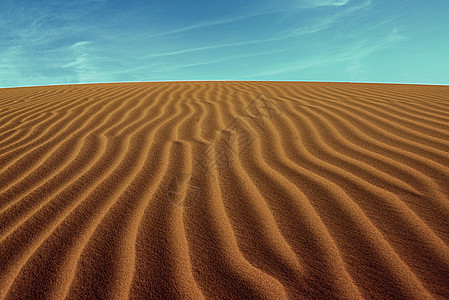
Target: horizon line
<point>227,80</point>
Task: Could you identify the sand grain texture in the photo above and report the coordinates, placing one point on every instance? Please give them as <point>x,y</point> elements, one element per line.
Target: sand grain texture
<point>224,190</point>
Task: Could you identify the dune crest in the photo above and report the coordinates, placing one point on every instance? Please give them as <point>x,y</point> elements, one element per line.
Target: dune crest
<point>198,190</point>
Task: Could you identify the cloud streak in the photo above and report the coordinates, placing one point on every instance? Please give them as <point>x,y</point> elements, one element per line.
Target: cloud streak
<point>321,3</point>
<point>354,53</point>
<point>74,56</point>
<point>311,28</point>
<point>54,41</point>
<point>205,24</point>
<point>40,44</point>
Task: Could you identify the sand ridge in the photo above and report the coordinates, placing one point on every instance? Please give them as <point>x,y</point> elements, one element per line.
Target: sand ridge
<point>259,190</point>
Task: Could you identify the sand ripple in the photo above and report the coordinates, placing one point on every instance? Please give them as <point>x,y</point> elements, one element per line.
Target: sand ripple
<point>260,190</point>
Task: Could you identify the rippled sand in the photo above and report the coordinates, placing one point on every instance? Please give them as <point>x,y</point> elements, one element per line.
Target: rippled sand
<point>262,190</point>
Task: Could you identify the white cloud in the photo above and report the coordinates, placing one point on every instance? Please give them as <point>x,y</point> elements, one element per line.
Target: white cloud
<point>38,42</point>
<point>327,21</point>
<point>79,56</point>
<point>217,46</point>
<point>319,3</point>
<point>274,9</point>
<point>221,21</point>
<point>81,44</point>
<point>223,59</point>
<point>312,27</point>
<point>353,53</point>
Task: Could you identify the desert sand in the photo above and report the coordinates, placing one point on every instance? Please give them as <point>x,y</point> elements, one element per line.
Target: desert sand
<point>224,190</point>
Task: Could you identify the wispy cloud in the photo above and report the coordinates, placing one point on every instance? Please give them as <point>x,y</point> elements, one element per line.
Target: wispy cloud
<point>221,60</point>
<point>79,61</point>
<point>320,3</point>
<point>55,41</point>
<point>314,26</point>
<point>216,46</point>
<point>325,22</point>
<point>275,9</point>
<point>64,53</point>
<point>39,43</point>
<point>205,24</point>
<point>353,53</point>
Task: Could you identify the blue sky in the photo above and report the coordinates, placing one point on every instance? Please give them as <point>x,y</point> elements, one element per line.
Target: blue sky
<point>59,42</point>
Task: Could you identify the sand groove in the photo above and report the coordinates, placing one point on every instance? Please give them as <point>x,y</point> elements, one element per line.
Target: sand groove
<point>259,190</point>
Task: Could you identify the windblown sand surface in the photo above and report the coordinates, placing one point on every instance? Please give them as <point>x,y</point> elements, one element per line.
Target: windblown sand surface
<point>263,190</point>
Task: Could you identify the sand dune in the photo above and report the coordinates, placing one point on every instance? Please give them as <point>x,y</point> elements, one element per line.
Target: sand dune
<point>257,190</point>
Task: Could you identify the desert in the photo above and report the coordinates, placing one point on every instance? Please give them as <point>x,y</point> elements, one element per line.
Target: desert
<point>224,190</point>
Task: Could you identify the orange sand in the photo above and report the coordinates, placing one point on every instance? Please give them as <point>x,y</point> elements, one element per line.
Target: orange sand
<point>256,190</point>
